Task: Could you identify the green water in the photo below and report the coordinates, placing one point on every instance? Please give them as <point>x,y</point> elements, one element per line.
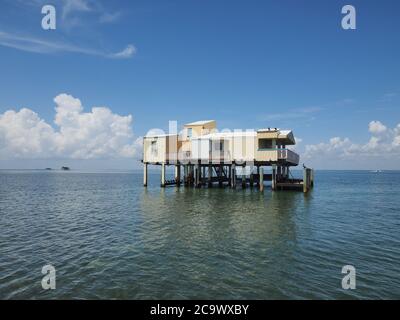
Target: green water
<point>108,237</point>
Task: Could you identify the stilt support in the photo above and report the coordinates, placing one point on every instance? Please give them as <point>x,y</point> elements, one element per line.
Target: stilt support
<point>145,175</point>
<point>261,178</point>
<point>163,175</point>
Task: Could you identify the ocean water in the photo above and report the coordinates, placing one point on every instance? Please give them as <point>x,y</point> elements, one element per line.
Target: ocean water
<point>110,238</point>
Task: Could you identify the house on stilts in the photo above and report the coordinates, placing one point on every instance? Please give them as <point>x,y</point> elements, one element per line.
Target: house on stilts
<point>227,158</point>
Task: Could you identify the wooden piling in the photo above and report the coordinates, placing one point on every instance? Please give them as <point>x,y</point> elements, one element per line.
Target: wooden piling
<point>233,176</point>
<point>178,175</point>
<point>243,178</point>
<point>307,178</point>
<point>312,178</point>
<point>210,175</point>
<point>261,178</point>
<point>145,175</point>
<point>162,175</point>
<point>197,176</point>
<point>273,178</point>
<point>185,174</point>
<point>220,175</point>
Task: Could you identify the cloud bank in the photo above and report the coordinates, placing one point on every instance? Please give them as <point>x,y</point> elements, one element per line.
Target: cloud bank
<point>97,134</point>
<point>383,144</point>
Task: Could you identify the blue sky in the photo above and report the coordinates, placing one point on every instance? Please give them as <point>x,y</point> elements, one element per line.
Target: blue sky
<point>246,64</point>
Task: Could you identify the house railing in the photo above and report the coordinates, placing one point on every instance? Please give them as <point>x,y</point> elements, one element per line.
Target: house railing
<point>288,155</point>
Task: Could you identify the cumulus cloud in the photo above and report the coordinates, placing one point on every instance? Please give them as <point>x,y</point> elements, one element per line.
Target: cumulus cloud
<point>376,127</point>
<point>384,143</point>
<point>99,133</point>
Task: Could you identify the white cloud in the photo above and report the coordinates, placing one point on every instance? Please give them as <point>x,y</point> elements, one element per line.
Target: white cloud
<point>31,44</point>
<point>79,135</point>
<point>70,6</point>
<point>376,127</point>
<point>128,52</point>
<point>383,144</point>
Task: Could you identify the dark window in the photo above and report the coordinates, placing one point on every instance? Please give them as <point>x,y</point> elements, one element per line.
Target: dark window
<point>264,143</point>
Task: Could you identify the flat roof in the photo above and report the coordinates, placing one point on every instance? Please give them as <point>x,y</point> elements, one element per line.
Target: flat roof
<point>218,135</point>
<point>199,123</point>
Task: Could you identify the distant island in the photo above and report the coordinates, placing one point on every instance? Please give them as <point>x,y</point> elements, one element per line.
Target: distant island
<point>65,168</point>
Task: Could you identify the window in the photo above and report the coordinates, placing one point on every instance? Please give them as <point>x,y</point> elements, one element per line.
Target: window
<point>264,144</point>
<point>189,132</point>
<point>154,148</point>
<point>219,145</point>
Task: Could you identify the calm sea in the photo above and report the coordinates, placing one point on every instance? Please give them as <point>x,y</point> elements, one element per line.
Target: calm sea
<point>108,237</point>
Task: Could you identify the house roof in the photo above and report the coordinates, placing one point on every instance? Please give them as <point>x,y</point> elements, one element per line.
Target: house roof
<point>199,123</point>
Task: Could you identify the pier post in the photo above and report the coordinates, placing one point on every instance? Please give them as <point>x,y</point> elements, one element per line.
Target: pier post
<point>261,178</point>
<point>197,174</point>
<point>251,178</point>
<point>229,175</point>
<point>258,174</point>
<point>209,175</point>
<point>162,175</point>
<point>243,178</point>
<point>307,179</point>
<point>312,178</point>
<point>273,180</point>
<point>190,175</point>
<point>220,175</point>
<point>145,175</point>
<point>233,176</point>
<point>185,174</point>
<point>178,175</point>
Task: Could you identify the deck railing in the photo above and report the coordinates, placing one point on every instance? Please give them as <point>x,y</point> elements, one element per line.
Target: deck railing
<point>288,155</point>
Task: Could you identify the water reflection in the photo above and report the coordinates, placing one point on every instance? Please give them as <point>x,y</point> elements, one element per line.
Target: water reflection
<point>217,234</point>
